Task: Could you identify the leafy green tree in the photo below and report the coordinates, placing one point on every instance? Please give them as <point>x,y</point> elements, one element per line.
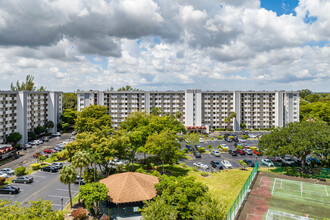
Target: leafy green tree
<point>40,209</point>
<point>92,194</point>
<point>232,115</point>
<point>81,160</point>
<point>227,120</point>
<point>49,125</point>
<point>68,174</point>
<point>304,92</point>
<point>159,209</point>
<point>128,88</point>
<point>297,139</point>
<point>92,118</point>
<point>14,137</point>
<point>192,138</point>
<point>210,147</point>
<point>89,175</point>
<point>20,171</point>
<point>208,208</point>
<point>243,126</point>
<point>316,111</point>
<point>39,129</point>
<point>65,126</point>
<point>41,159</point>
<point>165,146</point>
<point>31,135</point>
<point>69,116</point>
<point>178,115</point>
<point>156,111</point>
<point>28,85</point>
<point>69,101</point>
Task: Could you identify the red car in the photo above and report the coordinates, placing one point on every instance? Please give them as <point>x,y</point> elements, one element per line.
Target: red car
<point>240,151</point>
<point>257,152</point>
<point>49,151</point>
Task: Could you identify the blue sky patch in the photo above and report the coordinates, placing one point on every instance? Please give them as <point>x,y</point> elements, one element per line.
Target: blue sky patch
<point>101,61</point>
<point>323,43</point>
<point>280,6</point>
<point>309,19</point>
<point>157,40</point>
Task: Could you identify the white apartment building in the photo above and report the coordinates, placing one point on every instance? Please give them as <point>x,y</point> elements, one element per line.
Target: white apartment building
<point>25,110</point>
<point>256,109</point>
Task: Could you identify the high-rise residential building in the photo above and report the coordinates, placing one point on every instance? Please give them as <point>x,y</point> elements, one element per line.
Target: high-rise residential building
<point>256,109</point>
<point>23,111</point>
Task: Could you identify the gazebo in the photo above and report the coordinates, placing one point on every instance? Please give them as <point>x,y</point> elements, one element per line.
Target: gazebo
<point>128,190</point>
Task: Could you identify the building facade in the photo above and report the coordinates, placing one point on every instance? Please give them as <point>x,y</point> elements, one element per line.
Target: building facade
<point>23,111</point>
<point>256,109</point>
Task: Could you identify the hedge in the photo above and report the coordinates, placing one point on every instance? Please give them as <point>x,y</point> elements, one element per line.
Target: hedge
<point>225,149</point>
<point>20,171</point>
<point>239,147</point>
<point>35,166</point>
<point>201,150</point>
<point>244,136</point>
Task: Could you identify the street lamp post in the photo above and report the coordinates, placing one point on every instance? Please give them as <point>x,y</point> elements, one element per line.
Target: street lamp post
<point>62,202</point>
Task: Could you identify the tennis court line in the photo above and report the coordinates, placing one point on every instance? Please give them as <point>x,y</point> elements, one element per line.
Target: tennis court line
<point>301,189</point>
<point>301,199</point>
<point>274,186</point>
<point>326,190</point>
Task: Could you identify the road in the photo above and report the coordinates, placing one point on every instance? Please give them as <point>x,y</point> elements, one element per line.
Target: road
<point>46,185</point>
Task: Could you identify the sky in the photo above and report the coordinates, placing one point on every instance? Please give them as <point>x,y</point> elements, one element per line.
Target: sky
<point>166,44</point>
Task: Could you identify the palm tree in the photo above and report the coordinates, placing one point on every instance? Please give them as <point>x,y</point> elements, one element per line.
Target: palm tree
<point>227,120</point>
<point>80,160</point>
<point>68,175</point>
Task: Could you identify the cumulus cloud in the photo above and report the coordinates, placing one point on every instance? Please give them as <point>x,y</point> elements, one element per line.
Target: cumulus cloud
<point>162,44</point>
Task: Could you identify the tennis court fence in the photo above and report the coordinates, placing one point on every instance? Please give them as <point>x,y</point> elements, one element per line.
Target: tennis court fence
<point>240,198</point>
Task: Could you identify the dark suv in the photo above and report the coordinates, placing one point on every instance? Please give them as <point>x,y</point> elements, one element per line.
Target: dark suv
<point>232,152</point>
<point>216,164</point>
<point>50,169</point>
<point>197,154</point>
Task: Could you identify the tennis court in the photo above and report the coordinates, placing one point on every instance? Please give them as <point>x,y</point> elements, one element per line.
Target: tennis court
<point>301,190</point>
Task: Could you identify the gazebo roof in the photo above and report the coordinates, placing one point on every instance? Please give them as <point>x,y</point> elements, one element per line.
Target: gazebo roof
<point>130,187</point>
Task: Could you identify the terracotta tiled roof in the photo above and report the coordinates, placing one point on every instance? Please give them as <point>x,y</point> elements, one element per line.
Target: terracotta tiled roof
<point>130,187</point>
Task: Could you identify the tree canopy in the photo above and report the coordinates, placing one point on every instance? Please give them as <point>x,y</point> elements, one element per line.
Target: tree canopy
<point>192,138</point>
<point>28,85</point>
<point>14,137</point>
<point>297,139</point>
<point>40,209</point>
<point>128,88</point>
<point>92,194</point>
<point>69,101</point>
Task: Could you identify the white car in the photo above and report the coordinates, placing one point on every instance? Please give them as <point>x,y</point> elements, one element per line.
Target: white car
<point>215,153</point>
<point>253,136</point>
<point>226,164</point>
<point>3,175</point>
<point>7,171</point>
<point>267,162</point>
<point>201,165</point>
<point>35,142</point>
<point>241,140</point>
<point>201,140</point>
<point>28,145</point>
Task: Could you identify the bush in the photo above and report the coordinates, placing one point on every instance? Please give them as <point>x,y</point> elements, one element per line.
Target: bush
<point>140,170</point>
<point>63,155</point>
<point>185,150</point>
<point>220,137</point>
<point>195,169</point>
<point>79,213</point>
<point>244,136</point>
<point>219,147</point>
<point>239,147</point>
<point>35,166</point>
<point>201,150</point>
<point>204,174</point>
<point>183,165</point>
<point>212,138</point>
<point>231,137</point>
<point>156,173</point>
<point>2,180</point>
<point>253,148</point>
<point>225,149</point>
<point>20,171</point>
<point>88,175</point>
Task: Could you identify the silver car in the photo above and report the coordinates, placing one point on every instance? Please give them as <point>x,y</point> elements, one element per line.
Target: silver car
<point>215,153</point>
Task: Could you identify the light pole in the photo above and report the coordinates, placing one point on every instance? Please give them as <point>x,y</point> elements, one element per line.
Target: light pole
<point>62,202</point>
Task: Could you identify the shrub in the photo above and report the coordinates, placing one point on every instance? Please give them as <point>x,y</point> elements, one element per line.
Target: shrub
<point>231,137</point>
<point>212,138</point>
<point>195,169</point>
<point>156,173</point>
<point>225,149</point>
<point>185,150</point>
<point>2,180</point>
<point>242,163</point>
<point>253,148</point>
<point>140,170</point>
<point>220,137</point>
<point>206,135</point>
<point>63,155</point>
<point>201,150</point>
<point>88,175</point>
<point>183,164</point>
<point>239,147</point>
<point>244,136</point>
<point>53,156</point>
<point>35,166</point>
<point>204,174</point>
<point>79,213</point>
<point>219,147</point>
<point>20,171</point>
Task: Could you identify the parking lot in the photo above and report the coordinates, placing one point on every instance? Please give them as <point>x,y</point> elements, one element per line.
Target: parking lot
<point>207,157</point>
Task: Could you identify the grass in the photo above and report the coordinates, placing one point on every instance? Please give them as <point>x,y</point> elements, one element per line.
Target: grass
<point>67,209</point>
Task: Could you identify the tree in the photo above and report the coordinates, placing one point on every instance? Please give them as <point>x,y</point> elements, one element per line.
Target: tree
<point>297,139</point>
<point>69,116</point>
<point>178,115</point>
<point>41,159</point>
<point>210,147</point>
<point>92,194</point>
<point>159,209</point>
<point>49,124</point>
<point>128,88</point>
<point>28,85</point>
<point>40,209</point>
<point>68,174</point>
<point>192,138</point>
<point>31,135</point>
<point>14,137</point>
<point>316,111</point>
<point>165,146</point>
<point>156,111</point>
<point>243,164</point>
<point>243,126</point>
<point>227,120</point>
<point>65,126</point>
<point>69,101</point>
<point>304,92</point>
<point>80,160</point>
<point>39,130</point>
<point>93,118</point>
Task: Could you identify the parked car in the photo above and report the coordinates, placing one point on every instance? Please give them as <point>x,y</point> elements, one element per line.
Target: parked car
<point>82,181</point>
<point>45,138</point>
<point>241,151</point>
<point>40,141</point>
<point>35,142</point>
<point>197,154</point>
<point>216,164</point>
<point>7,171</point>
<point>249,163</point>
<point>59,133</point>
<point>297,161</point>
<point>201,140</point>
<point>54,134</point>
<point>232,152</point>
<point>241,140</point>
<point>49,151</point>
<point>74,133</point>
<point>58,165</point>
<point>249,151</point>
<point>38,154</point>
<point>312,160</point>
<point>28,145</point>
<point>189,147</point>
<point>226,164</point>
<point>5,175</point>
<point>201,165</point>
<point>9,189</point>
<point>31,143</point>
<point>252,136</point>
<point>57,149</point>
<point>256,152</point>
<point>267,162</point>
<point>288,161</point>
<point>23,179</point>
<point>215,153</point>
<point>49,169</point>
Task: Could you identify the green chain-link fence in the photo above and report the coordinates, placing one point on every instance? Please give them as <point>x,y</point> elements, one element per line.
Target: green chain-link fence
<point>307,172</point>
<point>240,198</point>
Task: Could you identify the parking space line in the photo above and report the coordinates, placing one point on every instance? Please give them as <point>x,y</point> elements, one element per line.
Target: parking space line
<point>57,204</point>
<point>64,197</point>
<point>12,196</point>
<point>40,176</point>
<point>66,190</point>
